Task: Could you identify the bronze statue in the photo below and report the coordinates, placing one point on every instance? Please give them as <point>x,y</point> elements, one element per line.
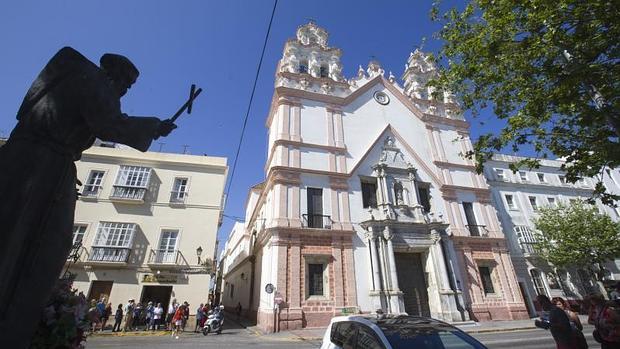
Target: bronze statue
<point>71,103</point>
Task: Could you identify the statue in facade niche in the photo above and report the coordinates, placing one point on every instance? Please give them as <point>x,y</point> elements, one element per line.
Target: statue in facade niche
<point>71,103</point>
<point>398,193</point>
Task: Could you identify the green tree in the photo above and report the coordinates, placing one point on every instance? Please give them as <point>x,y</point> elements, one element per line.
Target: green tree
<point>549,68</point>
<point>576,235</point>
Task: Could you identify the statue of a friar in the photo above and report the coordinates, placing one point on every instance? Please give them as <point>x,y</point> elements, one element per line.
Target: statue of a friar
<point>72,102</point>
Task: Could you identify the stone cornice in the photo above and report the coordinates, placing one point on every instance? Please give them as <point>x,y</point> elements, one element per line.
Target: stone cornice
<point>445,164</point>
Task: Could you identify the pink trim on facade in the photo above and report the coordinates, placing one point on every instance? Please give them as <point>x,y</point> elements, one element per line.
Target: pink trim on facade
<point>329,120</point>
<point>283,128</point>
<point>296,163</point>
<point>331,162</point>
<point>333,193</point>
<point>295,210</point>
<point>296,124</point>
<point>339,130</point>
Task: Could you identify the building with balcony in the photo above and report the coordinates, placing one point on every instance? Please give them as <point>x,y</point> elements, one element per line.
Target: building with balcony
<point>145,223</point>
<point>366,204</point>
<point>518,196</point>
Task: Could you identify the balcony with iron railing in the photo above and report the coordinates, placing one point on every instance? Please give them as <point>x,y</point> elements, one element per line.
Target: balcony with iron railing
<point>108,255</point>
<point>317,221</point>
<point>478,230</point>
<point>163,258</point>
<point>128,194</point>
<point>178,197</point>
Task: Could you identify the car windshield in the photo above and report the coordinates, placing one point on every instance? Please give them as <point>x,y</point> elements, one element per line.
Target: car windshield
<point>405,333</point>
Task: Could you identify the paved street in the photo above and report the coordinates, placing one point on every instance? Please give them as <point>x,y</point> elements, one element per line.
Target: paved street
<point>237,337</point>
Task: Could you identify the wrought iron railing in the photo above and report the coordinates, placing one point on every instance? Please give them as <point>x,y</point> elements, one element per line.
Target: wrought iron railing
<point>478,230</point>
<point>128,193</point>
<point>317,221</point>
<point>165,257</point>
<point>109,254</point>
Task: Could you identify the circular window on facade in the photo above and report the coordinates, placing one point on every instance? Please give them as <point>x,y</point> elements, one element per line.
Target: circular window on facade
<point>381,97</point>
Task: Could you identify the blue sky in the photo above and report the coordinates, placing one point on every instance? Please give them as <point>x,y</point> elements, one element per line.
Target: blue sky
<point>214,44</point>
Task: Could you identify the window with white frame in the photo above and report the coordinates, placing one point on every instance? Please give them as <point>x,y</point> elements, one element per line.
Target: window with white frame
<point>499,173</point>
<point>539,284</point>
<point>510,201</point>
<point>93,183</point>
<point>533,202</point>
<point>551,201</point>
<point>113,242</point>
<point>131,182</point>
<point>523,176</point>
<point>113,234</point>
<point>562,179</point>
<point>167,247</point>
<point>541,177</point>
<point>526,238</point>
<point>179,190</point>
<point>79,230</point>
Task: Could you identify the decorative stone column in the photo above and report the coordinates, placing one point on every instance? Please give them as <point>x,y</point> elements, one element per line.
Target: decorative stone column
<point>397,303</point>
<point>375,291</point>
<point>449,310</point>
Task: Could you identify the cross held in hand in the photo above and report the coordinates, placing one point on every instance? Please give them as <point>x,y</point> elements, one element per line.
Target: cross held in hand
<point>193,93</point>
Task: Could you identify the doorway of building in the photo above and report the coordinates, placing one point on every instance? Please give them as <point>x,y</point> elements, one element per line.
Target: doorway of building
<point>412,283</point>
<point>100,289</point>
<point>156,294</point>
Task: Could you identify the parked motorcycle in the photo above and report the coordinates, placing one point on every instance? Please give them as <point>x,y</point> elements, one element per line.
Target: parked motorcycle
<point>215,321</point>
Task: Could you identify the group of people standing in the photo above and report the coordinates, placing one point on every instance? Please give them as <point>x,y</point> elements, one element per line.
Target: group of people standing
<point>566,328</point>
<point>138,316</point>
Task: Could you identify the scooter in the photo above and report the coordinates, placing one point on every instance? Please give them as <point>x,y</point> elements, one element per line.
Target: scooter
<point>215,321</point>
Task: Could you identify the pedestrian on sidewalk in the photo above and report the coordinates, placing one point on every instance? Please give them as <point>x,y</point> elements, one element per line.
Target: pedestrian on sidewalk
<point>172,308</point>
<point>129,316</point>
<point>118,317</point>
<point>137,316</point>
<point>106,315</point>
<point>558,324</point>
<point>177,321</point>
<point>239,309</point>
<point>149,316</point>
<point>205,312</point>
<point>93,315</point>
<point>157,315</point>
<point>605,316</point>
<point>575,323</point>
<point>199,316</point>
<point>185,314</point>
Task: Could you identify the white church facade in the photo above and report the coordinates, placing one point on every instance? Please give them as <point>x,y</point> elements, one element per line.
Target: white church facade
<point>367,203</point>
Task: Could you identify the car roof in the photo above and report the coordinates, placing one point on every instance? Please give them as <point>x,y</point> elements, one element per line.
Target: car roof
<point>398,322</point>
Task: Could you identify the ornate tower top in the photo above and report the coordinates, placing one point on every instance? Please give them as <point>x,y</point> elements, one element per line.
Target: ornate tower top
<point>311,34</point>
<point>308,63</point>
<point>419,70</point>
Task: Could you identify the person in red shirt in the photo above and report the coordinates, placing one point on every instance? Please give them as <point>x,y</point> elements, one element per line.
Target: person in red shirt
<point>177,321</point>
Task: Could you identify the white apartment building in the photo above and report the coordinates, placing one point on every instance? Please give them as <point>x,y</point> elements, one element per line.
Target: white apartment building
<point>146,222</point>
<point>517,198</point>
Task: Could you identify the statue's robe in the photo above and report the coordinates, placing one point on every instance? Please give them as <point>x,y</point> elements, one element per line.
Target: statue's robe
<point>71,103</point>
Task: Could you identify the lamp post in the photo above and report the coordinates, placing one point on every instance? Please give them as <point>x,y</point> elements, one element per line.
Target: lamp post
<point>199,253</point>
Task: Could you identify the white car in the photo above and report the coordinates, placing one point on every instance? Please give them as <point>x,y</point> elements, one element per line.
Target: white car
<point>394,332</point>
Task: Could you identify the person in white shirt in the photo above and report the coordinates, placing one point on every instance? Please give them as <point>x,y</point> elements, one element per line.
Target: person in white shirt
<point>157,314</point>
<point>172,308</point>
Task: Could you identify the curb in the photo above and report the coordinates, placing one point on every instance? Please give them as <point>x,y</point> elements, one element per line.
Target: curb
<point>129,334</point>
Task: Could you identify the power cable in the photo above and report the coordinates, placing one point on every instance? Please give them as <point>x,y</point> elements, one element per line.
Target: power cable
<point>247,113</point>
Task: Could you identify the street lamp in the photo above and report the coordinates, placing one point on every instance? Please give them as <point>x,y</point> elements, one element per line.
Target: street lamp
<point>198,253</point>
